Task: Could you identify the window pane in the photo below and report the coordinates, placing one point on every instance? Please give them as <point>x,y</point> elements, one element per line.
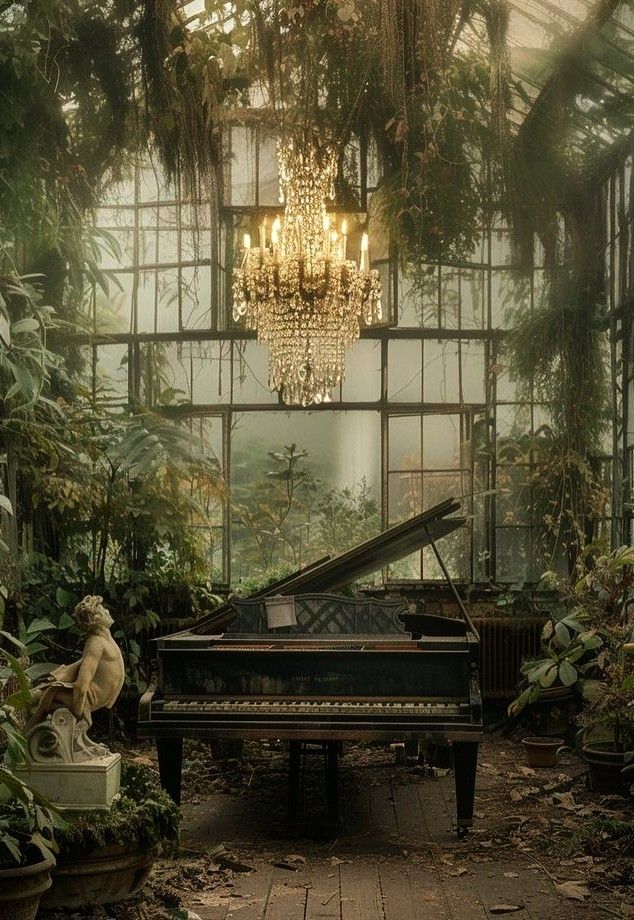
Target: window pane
<point>362,382</point>
<point>114,309</point>
<point>473,372</point>
<point>473,310</point>
<point>334,504</point>
<point>441,442</point>
<point>269,189</point>
<point>111,373</point>
<point>405,442</point>
<point>240,168</point>
<point>167,308</point>
<point>404,371</point>
<point>450,297</point>
<point>440,379</point>
<point>196,297</point>
<point>251,374</point>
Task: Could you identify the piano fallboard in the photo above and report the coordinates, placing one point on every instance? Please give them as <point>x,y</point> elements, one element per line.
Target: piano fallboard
<point>227,670</point>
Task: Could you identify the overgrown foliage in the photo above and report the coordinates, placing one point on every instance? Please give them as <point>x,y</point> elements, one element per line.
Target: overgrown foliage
<point>143,816</point>
<point>73,115</point>
<point>557,355</point>
<point>28,822</point>
<point>396,71</point>
<point>285,518</point>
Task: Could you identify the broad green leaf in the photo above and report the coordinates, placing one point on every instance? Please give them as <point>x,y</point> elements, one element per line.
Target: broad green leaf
<point>62,597</point>
<point>66,621</point>
<point>549,677</point>
<point>567,674</point>
<point>538,672</point>
<point>35,671</point>
<point>562,634</point>
<point>10,638</point>
<point>29,324</point>
<point>39,624</point>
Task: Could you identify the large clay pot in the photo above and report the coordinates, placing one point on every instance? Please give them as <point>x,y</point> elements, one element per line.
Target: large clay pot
<point>553,711</point>
<point>21,889</point>
<point>111,873</point>
<point>606,768</point>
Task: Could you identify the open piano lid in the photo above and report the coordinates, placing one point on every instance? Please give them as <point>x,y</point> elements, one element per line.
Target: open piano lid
<point>331,573</point>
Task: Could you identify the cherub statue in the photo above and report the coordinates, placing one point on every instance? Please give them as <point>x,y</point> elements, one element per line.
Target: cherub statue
<point>69,695</point>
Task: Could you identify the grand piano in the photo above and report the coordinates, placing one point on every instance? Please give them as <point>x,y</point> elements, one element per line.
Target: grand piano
<point>349,670</point>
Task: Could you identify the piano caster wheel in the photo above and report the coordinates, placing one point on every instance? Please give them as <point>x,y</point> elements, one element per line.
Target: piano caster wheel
<point>463,831</point>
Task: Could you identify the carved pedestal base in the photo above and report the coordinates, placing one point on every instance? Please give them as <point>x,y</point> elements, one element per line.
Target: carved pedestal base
<point>91,785</point>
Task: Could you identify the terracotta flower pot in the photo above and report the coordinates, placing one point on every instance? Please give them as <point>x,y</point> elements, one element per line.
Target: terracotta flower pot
<point>606,768</point>
<point>543,751</point>
<point>21,889</point>
<point>552,712</point>
<point>109,874</point>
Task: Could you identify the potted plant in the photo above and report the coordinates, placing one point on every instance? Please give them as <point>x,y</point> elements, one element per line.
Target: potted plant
<point>569,649</point>
<point>27,846</point>
<point>106,857</point>
<point>611,710</point>
<point>27,821</point>
<point>578,647</point>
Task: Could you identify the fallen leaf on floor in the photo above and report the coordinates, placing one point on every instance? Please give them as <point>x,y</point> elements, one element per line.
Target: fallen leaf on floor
<point>565,800</point>
<point>505,908</point>
<point>576,891</point>
<point>511,875</point>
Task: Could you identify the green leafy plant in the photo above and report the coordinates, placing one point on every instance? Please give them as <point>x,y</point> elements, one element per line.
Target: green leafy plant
<point>569,649</point>
<point>556,353</point>
<point>28,822</point>
<point>612,708</point>
<point>588,639</point>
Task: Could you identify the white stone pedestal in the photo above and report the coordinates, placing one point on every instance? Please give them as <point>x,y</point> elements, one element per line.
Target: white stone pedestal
<point>87,786</point>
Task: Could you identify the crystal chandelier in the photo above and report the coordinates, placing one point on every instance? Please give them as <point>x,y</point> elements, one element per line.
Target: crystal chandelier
<point>298,289</point>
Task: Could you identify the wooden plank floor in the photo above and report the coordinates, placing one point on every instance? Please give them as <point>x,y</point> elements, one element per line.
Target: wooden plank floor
<point>397,859</point>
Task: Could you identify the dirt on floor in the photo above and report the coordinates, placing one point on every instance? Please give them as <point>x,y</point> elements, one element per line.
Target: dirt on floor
<point>577,847</point>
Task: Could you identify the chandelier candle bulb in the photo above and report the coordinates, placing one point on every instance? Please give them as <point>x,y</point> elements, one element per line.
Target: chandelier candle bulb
<point>365,245</point>
<point>263,235</point>
<point>344,239</point>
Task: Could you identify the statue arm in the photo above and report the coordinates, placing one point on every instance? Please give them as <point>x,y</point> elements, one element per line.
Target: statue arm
<point>93,650</point>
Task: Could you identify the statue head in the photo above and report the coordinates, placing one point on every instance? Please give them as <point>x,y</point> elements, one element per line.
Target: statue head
<point>91,615</point>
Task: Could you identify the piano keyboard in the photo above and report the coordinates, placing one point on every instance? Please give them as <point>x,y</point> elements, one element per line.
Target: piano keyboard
<point>316,708</point>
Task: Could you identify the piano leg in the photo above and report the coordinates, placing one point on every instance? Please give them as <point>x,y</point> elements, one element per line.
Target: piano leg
<point>332,780</point>
<point>465,759</point>
<point>170,759</point>
<point>294,778</point>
